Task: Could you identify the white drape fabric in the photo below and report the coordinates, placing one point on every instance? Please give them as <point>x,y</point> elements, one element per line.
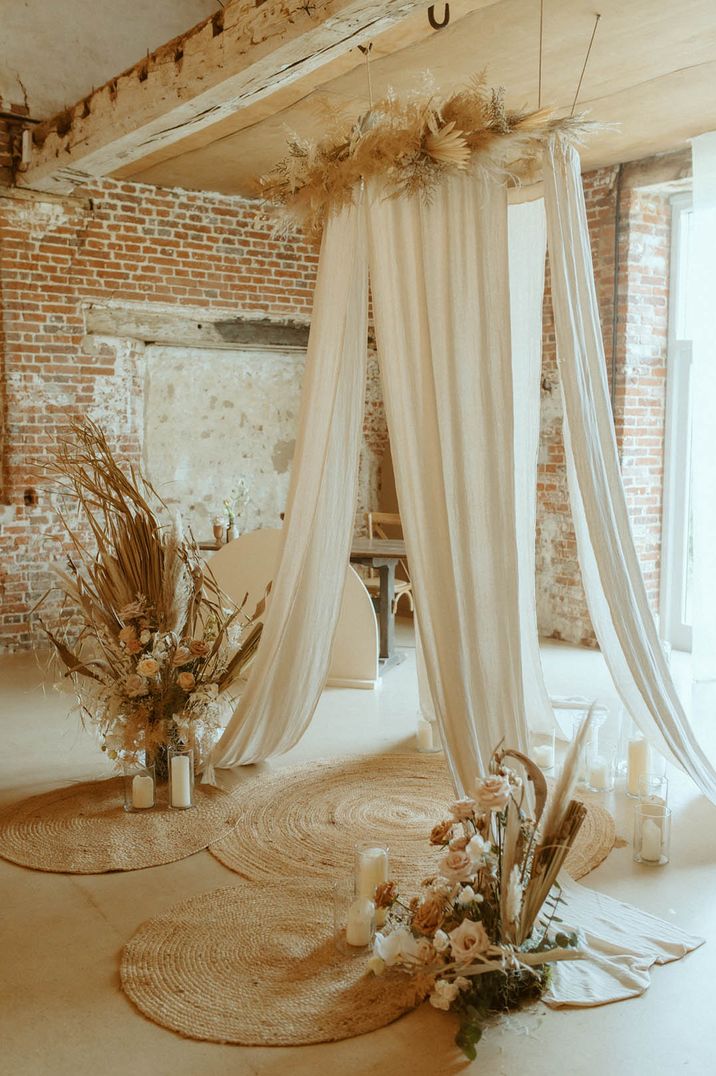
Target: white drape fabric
<point>702,315</point>
<point>292,662</point>
<point>613,584</point>
<point>439,273</point>
<point>527,235</point>
<point>620,945</point>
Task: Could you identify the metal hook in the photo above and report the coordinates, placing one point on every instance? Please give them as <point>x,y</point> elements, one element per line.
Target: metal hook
<point>434,22</point>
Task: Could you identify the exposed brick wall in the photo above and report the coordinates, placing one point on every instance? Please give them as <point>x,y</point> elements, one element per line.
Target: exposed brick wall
<point>640,393</point>
<point>119,241</point>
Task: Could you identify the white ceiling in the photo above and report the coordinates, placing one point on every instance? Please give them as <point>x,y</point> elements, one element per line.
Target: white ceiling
<point>59,49</point>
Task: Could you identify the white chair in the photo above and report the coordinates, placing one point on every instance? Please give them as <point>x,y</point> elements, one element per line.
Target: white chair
<point>248,563</point>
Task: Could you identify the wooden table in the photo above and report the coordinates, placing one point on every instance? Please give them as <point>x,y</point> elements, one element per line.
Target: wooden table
<point>383,555</point>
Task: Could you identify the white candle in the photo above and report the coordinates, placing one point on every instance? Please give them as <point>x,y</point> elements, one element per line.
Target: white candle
<point>360,922</point>
<point>543,755</point>
<point>599,772</point>
<point>650,841</point>
<point>425,735</point>
<point>637,763</point>
<point>181,781</point>
<point>372,871</point>
<point>142,791</point>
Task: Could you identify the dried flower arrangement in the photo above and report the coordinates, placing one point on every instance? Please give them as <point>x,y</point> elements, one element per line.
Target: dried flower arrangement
<point>481,936</point>
<point>158,646</point>
<point>410,144</point>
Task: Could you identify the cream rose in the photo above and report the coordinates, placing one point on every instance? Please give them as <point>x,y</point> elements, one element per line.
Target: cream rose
<point>443,995</point>
<point>147,667</point>
<point>492,793</point>
<point>186,681</point>
<point>135,686</point>
<point>463,809</point>
<point>468,941</point>
<point>457,867</point>
<point>182,655</point>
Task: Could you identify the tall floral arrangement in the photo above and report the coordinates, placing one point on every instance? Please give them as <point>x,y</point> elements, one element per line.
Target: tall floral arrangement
<point>151,644</point>
<point>481,935</point>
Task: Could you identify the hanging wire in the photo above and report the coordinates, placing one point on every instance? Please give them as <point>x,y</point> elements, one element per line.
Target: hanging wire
<point>366,50</point>
<point>586,61</point>
<point>541,40</point>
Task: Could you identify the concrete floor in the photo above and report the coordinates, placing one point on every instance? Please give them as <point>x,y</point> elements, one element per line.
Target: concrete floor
<point>62,1011</point>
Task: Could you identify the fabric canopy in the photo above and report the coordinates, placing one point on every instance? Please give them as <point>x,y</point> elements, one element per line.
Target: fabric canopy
<point>441,297</point>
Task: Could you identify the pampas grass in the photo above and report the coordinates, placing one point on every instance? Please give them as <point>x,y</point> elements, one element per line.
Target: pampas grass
<point>408,146</point>
<point>159,646</point>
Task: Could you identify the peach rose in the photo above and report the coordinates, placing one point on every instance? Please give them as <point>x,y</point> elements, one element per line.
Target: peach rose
<point>199,647</point>
<point>468,941</point>
<point>385,894</point>
<point>182,655</point>
<point>492,793</point>
<point>147,667</point>
<point>457,867</point>
<point>458,844</point>
<point>441,833</point>
<point>135,686</point>
<point>428,915</point>
<point>186,681</point>
<point>463,809</point>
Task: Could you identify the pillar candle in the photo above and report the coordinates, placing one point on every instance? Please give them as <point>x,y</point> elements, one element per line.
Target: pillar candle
<point>359,927</point>
<point>425,735</point>
<point>372,871</point>
<point>181,781</point>
<point>142,791</point>
<point>599,772</point>
<point>650,841</point>
<point>637,763</point>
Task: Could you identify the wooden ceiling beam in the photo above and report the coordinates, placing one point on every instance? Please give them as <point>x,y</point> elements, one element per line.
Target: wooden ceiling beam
<point>246,52</point>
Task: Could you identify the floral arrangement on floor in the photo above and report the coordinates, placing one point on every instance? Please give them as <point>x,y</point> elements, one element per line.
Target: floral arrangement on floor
<point>410,143</point>
<point>480,937</point>
<point>151,644</point>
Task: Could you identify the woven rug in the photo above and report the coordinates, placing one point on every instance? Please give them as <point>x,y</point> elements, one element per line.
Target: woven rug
<point>256,965</point>
<point>84,829</point>
<point>304,821</point>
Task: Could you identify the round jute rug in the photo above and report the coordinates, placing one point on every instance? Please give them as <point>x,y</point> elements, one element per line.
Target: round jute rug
<point>257,965</point>
<point>84,829</point>
<point>304,821</point>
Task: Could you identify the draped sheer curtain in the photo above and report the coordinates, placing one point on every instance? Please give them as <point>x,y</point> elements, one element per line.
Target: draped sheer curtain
<point>615,591</point>
<point>439,273</point>
<point>290,668</point>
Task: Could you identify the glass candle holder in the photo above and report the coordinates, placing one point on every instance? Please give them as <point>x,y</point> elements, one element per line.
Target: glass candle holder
<point>181,778</point>
<point>427,737</point>
<point>601,769</point>
<point>140,788</point>
<point>372,868</point>
<point>353,918</point>
<point>542,750</point>
<point>218,527</point>
<point>653,788</point>
<point>652,833</point>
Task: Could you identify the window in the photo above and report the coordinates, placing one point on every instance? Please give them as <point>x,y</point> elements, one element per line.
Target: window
<point>677,528</point>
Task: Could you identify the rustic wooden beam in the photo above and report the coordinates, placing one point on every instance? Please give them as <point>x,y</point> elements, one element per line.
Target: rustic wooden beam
<point>243,53</point>
<point>151,325</point>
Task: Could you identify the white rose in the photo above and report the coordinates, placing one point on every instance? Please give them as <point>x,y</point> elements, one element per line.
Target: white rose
<point>376,964</point>
<point>440,941</point>
<point>396,947</point>
<point>443,995</point>
<point>468,940</point>
<point>477,848</point>
<point>467,895</point>
<point>492,793</point>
